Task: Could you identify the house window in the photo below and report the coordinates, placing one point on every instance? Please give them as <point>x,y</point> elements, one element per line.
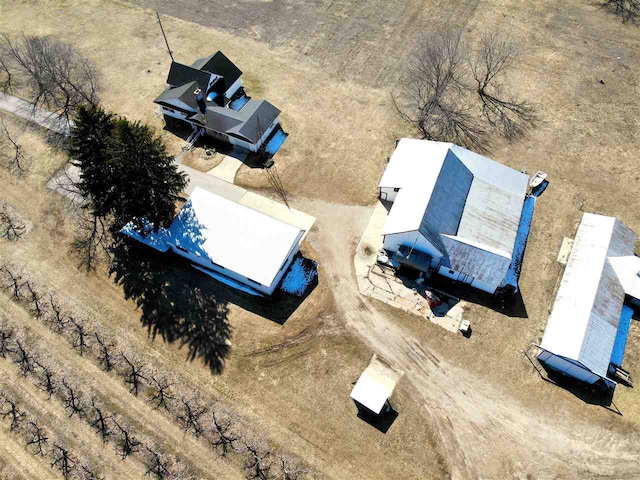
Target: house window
<point>451,272</point>
<point>396,189</point>
<point>170,110</point>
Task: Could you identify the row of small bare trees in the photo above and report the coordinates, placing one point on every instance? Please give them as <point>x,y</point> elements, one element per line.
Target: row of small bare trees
<point>43,443</point>
<point>216,425</point>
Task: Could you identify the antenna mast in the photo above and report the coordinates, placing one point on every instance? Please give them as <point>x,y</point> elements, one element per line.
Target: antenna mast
<point>164,36</point>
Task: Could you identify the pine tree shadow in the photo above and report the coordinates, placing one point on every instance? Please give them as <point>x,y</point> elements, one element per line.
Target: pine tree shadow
<point>174,301</point>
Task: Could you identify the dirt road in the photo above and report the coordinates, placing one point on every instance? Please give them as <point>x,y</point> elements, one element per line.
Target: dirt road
<point>485,432</point>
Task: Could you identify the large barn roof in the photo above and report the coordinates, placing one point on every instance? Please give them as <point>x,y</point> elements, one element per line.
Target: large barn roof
<point>585,315</point>
<point>233,236</point>
<point>448,190</point>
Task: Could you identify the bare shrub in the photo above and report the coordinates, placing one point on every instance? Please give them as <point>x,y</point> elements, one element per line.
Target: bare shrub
<point>23,357</point>
<point>257,465</point>
<point>133,372</point>
<point>6,340</point>
<point>157,464</point>
<point>288,469</point>
<point>72,399</point>
<point>100,420</point>
<point>45,378</point>
<point>223,430</point>
<point>80,335</point>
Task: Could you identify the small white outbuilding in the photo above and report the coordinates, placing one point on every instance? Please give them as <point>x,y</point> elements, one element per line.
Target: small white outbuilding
<point>376,384</point>
<point>453,211</point>
<point>588,327</point>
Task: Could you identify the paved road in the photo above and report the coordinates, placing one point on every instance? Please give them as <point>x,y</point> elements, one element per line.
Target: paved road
<point>48,120</point>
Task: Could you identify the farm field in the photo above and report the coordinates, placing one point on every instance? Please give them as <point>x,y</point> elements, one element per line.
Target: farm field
<point>469,408</point>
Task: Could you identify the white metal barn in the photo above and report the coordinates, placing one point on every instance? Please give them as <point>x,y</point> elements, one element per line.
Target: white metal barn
<point>236,244</point>
<point>588,327</point>
<point>453,211</point>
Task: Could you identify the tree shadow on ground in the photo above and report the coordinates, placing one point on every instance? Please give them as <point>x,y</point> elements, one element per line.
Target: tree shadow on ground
<point>174,301</point>
<point>184,305</point>
<point>511,305</point>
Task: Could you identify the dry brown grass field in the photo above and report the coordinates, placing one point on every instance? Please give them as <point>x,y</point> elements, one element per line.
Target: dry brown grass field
<point>469,408</point>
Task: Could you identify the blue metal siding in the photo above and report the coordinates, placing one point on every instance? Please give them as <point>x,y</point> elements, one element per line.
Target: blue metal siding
<point>621,335</point>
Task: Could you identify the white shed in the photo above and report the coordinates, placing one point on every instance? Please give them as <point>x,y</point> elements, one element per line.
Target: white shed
<point>588,326</point>
<point>376,384</point>
<point>459,208</point>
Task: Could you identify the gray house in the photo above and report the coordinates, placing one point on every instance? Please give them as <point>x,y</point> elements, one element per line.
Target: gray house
<point>453,212</point>
<point>209,96</point>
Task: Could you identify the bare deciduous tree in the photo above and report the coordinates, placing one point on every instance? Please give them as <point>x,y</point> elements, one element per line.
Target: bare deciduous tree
<point>72,399</point>
<point>434,100</point>
<point>627,10</point>
<point>52,74</point>
<point>451,95</point>
<point>106,354</point>
<point>57,317</point>
<point>157,465</point>
<point>257,465</point>
<point>502,110</point>
<point>190,415</point>
<point>224,436</point>
<point>62,461</point>
<point>45,378</point>
<point>134,372</point>
<point>161,387</point>
<point>13,281</point>
<point>289,470</point>
<point>25,360</point>
<point>6,340</point>
<point>36,437</point>
<point>91,242</point>
<point>127,444</point>
<point>79,336</point>
<point>37,304</point>
<point>10,410</point>
<point>88,472</point>
<point>100,420</point>
<point>16,161</point>
<point>12,227</point>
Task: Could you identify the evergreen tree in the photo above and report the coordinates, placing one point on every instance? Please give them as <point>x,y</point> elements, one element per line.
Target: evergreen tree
<point>127,174</point>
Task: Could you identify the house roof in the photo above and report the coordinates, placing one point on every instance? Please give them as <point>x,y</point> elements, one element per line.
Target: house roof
<point>249,123</point>
<point>180,74</point>
<point>376,384</point>
<point>173,96</point>
<point>219,64</point>
<point>585,315</point>
<point>234,236</point>
<point>448,190</point>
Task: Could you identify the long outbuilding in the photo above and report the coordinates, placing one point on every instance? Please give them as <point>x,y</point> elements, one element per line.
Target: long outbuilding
<point>587,330</point>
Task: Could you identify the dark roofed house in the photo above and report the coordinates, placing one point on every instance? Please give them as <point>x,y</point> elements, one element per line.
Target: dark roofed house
<point>209,96</point>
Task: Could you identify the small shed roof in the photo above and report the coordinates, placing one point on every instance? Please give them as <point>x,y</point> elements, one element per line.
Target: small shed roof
<point>376,384</point>
<point>586,312</point>
<point>234,236</point>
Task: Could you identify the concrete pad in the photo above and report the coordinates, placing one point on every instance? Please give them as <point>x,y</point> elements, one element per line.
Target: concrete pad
<point>64,182</point>
<point>229,166</point>
<point>213,184</point>
<point>371,241</point>
<point>565,250</point>
<point>278,210</point>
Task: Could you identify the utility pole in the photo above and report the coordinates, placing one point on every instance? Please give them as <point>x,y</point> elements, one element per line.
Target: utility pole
<point>165,37</point>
